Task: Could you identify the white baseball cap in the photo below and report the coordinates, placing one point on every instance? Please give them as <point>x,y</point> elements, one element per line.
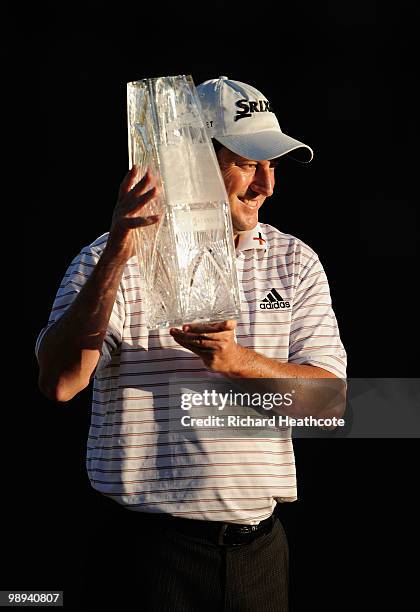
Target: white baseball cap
<point>241,118</point>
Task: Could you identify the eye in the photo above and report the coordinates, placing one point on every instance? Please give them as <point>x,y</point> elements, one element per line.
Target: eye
<point>250,166</point>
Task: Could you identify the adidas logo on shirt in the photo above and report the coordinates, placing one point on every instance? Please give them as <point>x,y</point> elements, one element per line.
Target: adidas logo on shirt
<point>273,300</point>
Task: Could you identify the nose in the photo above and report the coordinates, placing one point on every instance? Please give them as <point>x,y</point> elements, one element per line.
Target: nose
<point>263,182</point>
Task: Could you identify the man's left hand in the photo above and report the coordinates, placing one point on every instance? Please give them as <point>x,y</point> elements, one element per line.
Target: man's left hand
<point>214,343</point>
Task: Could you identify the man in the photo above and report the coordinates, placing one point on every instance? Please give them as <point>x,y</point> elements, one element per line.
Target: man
<point>203,512</point>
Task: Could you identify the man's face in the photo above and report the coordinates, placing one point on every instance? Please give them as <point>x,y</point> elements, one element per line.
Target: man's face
<point>248,183</point>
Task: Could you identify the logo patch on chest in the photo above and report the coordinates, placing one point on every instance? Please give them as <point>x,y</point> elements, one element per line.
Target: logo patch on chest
<point>273,301</point>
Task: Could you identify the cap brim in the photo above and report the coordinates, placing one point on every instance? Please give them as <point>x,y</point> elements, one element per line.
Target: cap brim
<point>267,145</point>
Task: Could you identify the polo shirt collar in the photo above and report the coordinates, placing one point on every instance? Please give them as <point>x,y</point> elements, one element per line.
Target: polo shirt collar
<point>253,239</point>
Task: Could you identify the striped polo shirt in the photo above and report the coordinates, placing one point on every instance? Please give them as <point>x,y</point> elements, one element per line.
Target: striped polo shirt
<point>130,458</point>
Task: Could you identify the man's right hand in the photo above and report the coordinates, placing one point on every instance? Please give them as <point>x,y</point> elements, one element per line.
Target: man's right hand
<point>71,348</point>
<point>133,195</point>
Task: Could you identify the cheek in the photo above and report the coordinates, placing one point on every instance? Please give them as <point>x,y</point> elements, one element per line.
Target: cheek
<point>235,182</point>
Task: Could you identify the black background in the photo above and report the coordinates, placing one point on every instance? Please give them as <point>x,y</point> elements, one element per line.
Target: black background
<point>341,77</point>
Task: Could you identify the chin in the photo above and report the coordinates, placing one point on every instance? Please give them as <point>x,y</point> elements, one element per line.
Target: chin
<point>245,227</point>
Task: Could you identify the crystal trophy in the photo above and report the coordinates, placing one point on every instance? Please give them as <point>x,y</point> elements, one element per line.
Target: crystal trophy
<point>187,259</point>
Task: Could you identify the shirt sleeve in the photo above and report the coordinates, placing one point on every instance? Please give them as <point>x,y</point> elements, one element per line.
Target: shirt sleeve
<point>314,336</point>
<point>75,277</point>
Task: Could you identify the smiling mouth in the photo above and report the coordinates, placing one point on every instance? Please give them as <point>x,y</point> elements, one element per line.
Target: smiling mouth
<point>249,203</point>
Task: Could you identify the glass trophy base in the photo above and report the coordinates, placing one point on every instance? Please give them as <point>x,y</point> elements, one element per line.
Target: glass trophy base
<point>180,322</point>
<point>188,268</point>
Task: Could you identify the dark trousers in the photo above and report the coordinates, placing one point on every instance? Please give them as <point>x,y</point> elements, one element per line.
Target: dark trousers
<point>133,565</point>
